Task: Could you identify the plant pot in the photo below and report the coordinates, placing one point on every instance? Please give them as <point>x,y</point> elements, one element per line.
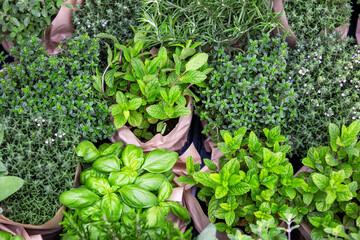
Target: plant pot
<point>19,231</point>
<point>278,6</point>
<point>174,141</point>
<point>60,28</point>
<point>49,230</point>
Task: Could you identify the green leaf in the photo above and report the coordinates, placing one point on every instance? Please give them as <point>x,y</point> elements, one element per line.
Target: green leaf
<point>308,162</point>
<point>204,178</point>
<point>119,120</point>
<point>111,207</point>
<point>160,160</point>
<point>137,197</point>
<point>353,129</point>
<point>193,77</point>
<point>113,149</point>
<point>180,111</point>
<point>197,61</point>
<point>137,68</point>
<point>78,198</point>
<point>123,178</point>
<point>121,98</point>
<point>239,189</point>
<point>98,185</point>
<point>290,192</point>
<point>187,52</point>
<point>186,180</point>
<point>108,36</point>
<point>210,164</point>
<point>330,197</point>
<point>352,210</point>
<point>135,118</point>
<point>150,181</point>
<point>14,21</point>
<point>107,164</point>
<point>6,6</point>
<point>330,160</point>
<point>68,5</point>
<point>165,191</point>
<point>321,181</point>
<point>334,134</point>
<point>132,157</point>
<point>88,151</point>
<point>316,221</point>
<point>214,204</point>
<point>230,218</point>
<point>180,211</point>
<point>109,77</point>
<point>9,185</point>
<point>190,165</point>
<point>156,111</point>
<point>322,206</point>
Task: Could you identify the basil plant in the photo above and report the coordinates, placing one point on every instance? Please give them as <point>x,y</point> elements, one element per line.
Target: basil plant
<point>123,189</point>
<point>150,88</point>
<point>331,191</point>
<point>8,236</point>
<point>254,182</point>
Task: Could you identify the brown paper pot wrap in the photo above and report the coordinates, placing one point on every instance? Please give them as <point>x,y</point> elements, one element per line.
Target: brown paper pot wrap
<point>174,141</point>
<point>278,6</point>
<point>49,230</point>
<point>60,28</point>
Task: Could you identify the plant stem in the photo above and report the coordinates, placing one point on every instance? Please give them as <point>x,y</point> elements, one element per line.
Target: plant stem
<point>177,79</point>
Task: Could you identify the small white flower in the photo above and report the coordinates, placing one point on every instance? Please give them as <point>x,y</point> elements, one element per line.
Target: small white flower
<point>319,91</point>
<point>343,94</point>
<point>357,86</point>
<point>78,23</point>
<point>63,134</point>
<point>35,119</point>
<point>345,81</point>
<point>305,85</point>
<point>88,26</point>
<point>53,140</point>
<point>60,136</point>
<point>43,120</point>
<point>55,134</point>
<point>353,118</point>
<point>353,108</point>
<point>46,141</point>
<point>317,105</point>
<point>38,124</point>
<point>307,92</point>
<point>341,84</point>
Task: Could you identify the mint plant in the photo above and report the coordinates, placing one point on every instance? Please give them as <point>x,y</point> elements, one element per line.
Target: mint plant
<point>249,88</point>
<point>330,191</point>
<point>307,18</point>
<point>20,20</point>
<point>254,182</point>
<point>124,195</point>
<point>325,76</point>
<point>106,16</point>
<point>150,89</point>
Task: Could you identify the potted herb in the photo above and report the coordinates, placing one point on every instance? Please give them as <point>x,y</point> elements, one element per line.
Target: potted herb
<point>253,182</point>
<point>250,88</point>
<point>124,195</point>
<point>47,107</point>
<point>9,236</point>
<point>21,20</point>
<point>331,189</point>
<point>152,92</point>
<point>306,19</point>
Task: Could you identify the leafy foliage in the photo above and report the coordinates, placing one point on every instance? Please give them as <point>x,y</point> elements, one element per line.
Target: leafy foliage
<point>150,89</point>
<point>106,16</point>
<point>23,19</point>
<point>325,74</point>
<point>250,88</point>
<point>331,189</point>
<point>37,148</point>
<point>123,195</point>
<point>61,84</point>
<point>254,182</point>
<point>308,17</point>
<point>207,21</point>
<point>8,236</point>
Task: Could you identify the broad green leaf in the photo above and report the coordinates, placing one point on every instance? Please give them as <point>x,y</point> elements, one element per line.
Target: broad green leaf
<point>6,6</point>
<point>111,207</point>
<point>107,36</point>
<point>344,196</point>
<point>180,211</point>
<point>307,198</point>
<point>98,185</point>
<point>68,5</point>
<point>124,49</point>
<point>330,160</point>
<point>334,134</point>
<point>14,21</point>
<point>134,104</point>
<point>352,210</point>
<point>180,111</point>
<point>230,218</point>
<point>186,180</point>
<point>204,178</point>
<point>193,77</point>
<point>156,111</point>
<point>165,191</point>
<point>5,235</point>
<point>78,198</point>
<point>113,149</point>
<point>122,178</point>
<point>197,61</point>
<point>321,181</point>
<point>119,120</point>
<point>137,197</point>
<point>121,98</point>
<point>9,185</point>
<point>187,52</point>
<point>210,164</point>
<point>214,204</point>
<point>353,129</point>
<point>109,77</point>
<point>138,68</point>
<point>132,156</point>
<point>155,215</point>
<point>316,221</point>
<point>88,151</point>
<point>190,165</point>
<point>150,181</point>
<point>330,197</point>
<point>160,160</point>
<point>290,192</point>
<point>239,189</point>
<point>215,177</point>
<point>135,118</point>
<point>107,164</point>
<point>322,206</point>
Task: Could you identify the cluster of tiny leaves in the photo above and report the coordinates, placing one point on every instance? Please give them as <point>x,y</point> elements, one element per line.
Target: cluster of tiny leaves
<point>106,16</point>
<point>22,19</point>
<point>207,21</point>
<point>39,149</point>
<point>249,89</point>
<point>326,77</point>
<point>308,17</point>
<point>59,84</point>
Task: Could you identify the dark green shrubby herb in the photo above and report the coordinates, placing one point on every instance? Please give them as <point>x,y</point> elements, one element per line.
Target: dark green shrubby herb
<point>254,183</point>
<point>106,16</point>
<point>308,17</point>
<point>124,195</point>
<point>38,147</point>
<point>23,19</point>
<point>326,77</point>
<point>331,192</point>
<point>207,21</point>
<point>62,84</point>
<point>250,88</point>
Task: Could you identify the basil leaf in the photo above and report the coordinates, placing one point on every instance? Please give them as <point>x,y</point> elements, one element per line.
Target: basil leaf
<point>100,186</point>
<point>87,150</point>
<point>9,185</point>
<point>160,160</point>
<point>114,149</point>
<point>135,196</point>
<point>132,157</point>
<point>122,178</point>
<point>165,191</point>
<point>78,198</point>
<point>180,211</point>
<point>111,207</point>
<point>150,181</point>
<point>107,164</point>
